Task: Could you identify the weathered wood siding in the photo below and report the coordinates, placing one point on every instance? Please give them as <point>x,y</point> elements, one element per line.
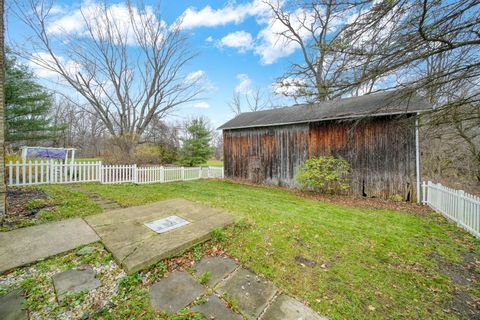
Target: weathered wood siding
<point>381,152</point>
<point>265,155</point>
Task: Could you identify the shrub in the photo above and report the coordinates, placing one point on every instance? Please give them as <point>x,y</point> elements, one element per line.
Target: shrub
<point>324,174</point>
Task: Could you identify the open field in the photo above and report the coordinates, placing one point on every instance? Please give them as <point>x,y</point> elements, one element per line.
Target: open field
<point>345,262</point>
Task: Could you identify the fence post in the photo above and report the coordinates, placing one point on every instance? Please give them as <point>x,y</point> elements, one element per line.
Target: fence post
<point>424,192</point>
<point>99,171</point>
<point>10,173</point>
<point>134,172</point>
<point>162,174</point>
<point>461,207</point>
<point>102,172</point>
<point>429,192</point>
<point>223,172</point>
<point>52,169</point>
<point>183,174</point>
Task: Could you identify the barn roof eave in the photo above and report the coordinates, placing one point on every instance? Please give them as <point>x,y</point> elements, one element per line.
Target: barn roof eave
<point>223,127</point>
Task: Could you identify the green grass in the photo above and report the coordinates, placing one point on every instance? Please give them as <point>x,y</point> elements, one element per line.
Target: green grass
<point>214,163</point>
<point>371,264</point>
<point>66,203</point>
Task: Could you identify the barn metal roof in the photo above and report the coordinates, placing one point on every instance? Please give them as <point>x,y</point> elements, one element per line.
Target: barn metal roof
<point>379,104</point>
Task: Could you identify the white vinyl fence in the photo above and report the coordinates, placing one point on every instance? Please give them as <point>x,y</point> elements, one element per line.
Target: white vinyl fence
<point>52,172</point>
<point>456,205</point>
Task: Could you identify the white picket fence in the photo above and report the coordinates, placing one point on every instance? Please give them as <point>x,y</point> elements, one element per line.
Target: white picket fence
<point>52,172</point>
<point>456,205</point>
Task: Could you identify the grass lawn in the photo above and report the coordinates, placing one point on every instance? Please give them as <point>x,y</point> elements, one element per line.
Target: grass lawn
<point>214,163</point>
<point>345,262</point>
<point>368,263</point>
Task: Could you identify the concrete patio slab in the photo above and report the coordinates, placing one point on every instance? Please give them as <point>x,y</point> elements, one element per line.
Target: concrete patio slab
<point>12,306</point>
<point>136,247</point>
<point>287,308</point>
<point>251,291</point>
<point>174,292</point>
<point>214,308</point>
<point>219,267</point>
<point>72,281</point>
<point>27,245</point>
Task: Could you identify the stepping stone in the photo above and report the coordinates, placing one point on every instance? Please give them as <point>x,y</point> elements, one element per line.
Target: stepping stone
<point>27,245</point>
<point>214,308</point>
<point>219,267</point>
<point>12,306</point>
<point>287,308</point>
<point>250,291</point>
<point>175,292</point>
<point>72,281</point>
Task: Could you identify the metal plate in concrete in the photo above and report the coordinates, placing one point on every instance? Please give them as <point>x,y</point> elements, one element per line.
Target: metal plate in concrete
<point>12,306</point>
<point>27,245</point>
<point>287,308</point>
<point>214,308</point>
<point>219,267</point>
<point>136,247</point>
<point>72,281</point>
<point>166,224</point>
<point>174,292</point>
<point>251,291</point>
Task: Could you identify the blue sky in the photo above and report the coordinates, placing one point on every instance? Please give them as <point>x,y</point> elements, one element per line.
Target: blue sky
<point>237,49</point>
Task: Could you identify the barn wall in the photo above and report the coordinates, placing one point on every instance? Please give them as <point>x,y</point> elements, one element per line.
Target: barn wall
<point>381,153</point>
<point>265,155</point>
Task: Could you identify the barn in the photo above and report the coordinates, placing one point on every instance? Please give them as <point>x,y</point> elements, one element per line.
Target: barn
<point>377,134</point>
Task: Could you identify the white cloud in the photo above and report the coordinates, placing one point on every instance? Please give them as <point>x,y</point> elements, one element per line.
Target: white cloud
<point>40,62</point>
<point>231,13</point>
<point>244,84</point>
<point>195,76</point>
<point>201,105</point>
<point>77,21</point>
<point>209,39</point>
<point>273,45</point>
<point>240,40</point>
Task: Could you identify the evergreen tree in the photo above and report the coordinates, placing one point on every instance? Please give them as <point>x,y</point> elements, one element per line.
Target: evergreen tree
<point>27,105</point>
<point>196,148</point>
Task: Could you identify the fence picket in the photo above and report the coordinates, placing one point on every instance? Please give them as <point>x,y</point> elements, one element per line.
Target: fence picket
<point>53,172</point>
<point>458,206</point>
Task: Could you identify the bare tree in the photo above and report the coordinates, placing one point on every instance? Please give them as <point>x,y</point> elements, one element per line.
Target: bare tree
<point>433,48</point>
<point>315,27</point>
<point>253,100</point>
<point>129,72</point>
<point>3,185</point>
<point>257,100</point>
<point>79,128</point>
<point>235,104</point>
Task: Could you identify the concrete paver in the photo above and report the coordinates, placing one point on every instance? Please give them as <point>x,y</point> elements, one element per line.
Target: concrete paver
<point>218,267</point>
<point>72,281</point>
<point>288,308</point>
<point>12,306</point>
<point>215,308</point>
<point>27,245</point>
<point>174,292</point>
<point>250,291</point>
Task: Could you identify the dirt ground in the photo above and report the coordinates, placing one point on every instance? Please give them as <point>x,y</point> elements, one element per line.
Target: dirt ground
<point>23,205</point>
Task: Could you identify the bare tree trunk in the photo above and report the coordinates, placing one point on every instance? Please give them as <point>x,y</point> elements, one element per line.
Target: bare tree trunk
<point>3,188</point>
